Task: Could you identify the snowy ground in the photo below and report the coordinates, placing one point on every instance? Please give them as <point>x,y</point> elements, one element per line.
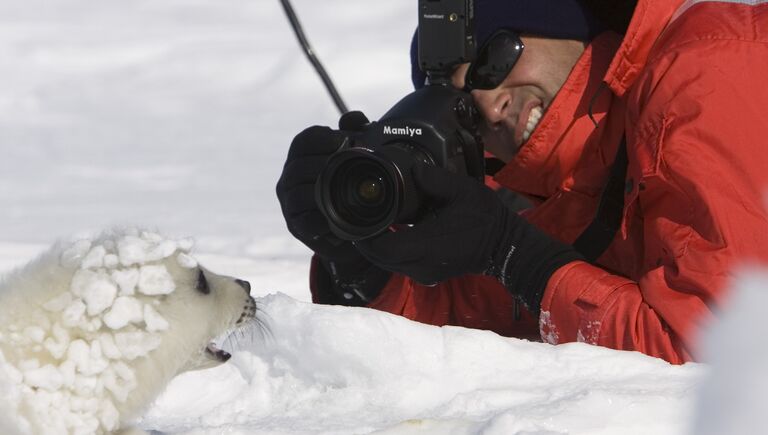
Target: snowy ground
<point>176,115</point>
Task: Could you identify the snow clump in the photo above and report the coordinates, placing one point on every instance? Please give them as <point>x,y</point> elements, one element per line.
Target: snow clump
<point>68,358</point>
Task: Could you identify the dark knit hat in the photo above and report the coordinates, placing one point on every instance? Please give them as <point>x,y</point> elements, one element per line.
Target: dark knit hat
<point>559,19</point>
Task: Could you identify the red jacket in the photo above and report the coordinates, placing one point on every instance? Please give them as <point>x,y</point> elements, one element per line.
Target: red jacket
<point>691,94</point>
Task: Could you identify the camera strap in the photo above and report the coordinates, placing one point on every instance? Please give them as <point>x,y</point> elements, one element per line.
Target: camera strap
<point>601,231</point>
<point>594,240</point>
<point>493,165</point>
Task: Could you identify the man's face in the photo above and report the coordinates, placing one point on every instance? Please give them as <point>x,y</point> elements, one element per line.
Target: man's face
<point>512,110</point>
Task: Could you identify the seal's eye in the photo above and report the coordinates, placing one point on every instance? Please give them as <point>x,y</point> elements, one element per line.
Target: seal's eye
<point>202,283</point>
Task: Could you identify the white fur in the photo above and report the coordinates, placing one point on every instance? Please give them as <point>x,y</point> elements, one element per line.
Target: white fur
<point>92,331</point>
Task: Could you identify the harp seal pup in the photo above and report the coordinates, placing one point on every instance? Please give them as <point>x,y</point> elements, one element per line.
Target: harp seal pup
<point>93,330</point>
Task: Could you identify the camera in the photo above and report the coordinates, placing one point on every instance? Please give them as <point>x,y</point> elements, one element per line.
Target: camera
<point>366,186</point>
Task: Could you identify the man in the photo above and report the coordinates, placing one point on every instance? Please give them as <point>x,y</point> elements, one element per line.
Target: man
<point>662,130</point>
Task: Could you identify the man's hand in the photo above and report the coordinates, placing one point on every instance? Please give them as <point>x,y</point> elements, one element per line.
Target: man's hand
<point>458,236</point>
<point>307,156</point>
<point>469,230</point>
<point>353,279</point>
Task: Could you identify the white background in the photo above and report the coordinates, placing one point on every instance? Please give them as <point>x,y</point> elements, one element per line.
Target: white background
<point>176,115</point>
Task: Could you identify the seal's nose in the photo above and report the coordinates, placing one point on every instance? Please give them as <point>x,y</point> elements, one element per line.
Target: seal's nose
<point>244,284</point>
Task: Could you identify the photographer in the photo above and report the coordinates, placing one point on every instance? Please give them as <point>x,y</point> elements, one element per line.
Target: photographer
<point>658,124</point>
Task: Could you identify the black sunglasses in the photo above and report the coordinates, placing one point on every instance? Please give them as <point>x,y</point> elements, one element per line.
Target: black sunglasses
<point>494,61</point>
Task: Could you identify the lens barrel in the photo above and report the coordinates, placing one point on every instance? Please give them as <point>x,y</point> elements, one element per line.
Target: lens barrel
<point>362,192</point>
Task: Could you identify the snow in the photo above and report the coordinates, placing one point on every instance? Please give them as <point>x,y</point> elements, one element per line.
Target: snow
<point>186,261</point>
<point>124,310</point>
<point>95,288</point>
<point>176,115</point>
<point>733,397</point>
<point>126,280</point>
<point>155,280</point>
<point>140,250</point>
<point>154,321</point>
<point>339,370</point>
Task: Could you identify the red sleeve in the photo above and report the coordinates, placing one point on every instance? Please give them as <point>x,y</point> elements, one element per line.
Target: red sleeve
<point>699,161</point>
<point>471,301</point>
<point>587,304</point>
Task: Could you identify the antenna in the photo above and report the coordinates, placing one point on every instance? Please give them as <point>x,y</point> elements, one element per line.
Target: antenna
<point>297,29</point>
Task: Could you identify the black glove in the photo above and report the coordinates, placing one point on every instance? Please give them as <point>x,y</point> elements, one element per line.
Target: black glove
<point>470,230</point>
<point>351,280</point>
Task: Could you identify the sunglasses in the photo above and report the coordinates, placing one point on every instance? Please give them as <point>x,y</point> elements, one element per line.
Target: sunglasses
<point>494,61</point>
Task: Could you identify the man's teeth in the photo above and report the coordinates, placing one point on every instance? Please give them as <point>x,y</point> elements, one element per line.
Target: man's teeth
<point>533,121</point>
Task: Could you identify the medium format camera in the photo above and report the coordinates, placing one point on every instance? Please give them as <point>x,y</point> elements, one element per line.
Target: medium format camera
<point>367,186</point>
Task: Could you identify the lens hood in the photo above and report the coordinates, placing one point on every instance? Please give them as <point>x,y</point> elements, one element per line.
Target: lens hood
<point>360,193</point>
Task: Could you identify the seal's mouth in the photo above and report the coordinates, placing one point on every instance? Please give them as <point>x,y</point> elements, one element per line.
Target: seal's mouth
<point>214,352</point>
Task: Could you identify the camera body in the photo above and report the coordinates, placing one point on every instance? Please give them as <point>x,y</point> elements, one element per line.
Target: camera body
<point>367,186</point>
<point>446,34</point>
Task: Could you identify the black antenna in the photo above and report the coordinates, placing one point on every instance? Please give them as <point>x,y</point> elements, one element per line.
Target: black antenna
<point>297,29</point>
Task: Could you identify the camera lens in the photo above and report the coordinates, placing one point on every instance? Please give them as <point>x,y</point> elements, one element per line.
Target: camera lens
<point>370,190</point>
<point>362,192</point>
<point>359,193</point>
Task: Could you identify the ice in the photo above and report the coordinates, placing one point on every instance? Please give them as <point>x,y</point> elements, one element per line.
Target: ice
<point>35,333</point>
<point>88,359</point>
<point>95,258</point>
<point>124,310</point>
<point>135,344</point>
<point>95,288</point>
<point>155,280</point>
<point>132,250</point>
<point>109,417</point>
<point>161,250</point>
<point>29,364</point>
<point>74,314</point>
<point>186,244</point>
<point>126,280</point>
<point>78,352</point>
<point>120,380</point>
<point>151,237</point>
<point>111,261</point>
<point>108,346</point>
<point>145,249</point>
<point>99,297</point>
<point>186,261</point>
<point>59,343</point>
<point>47,377</point>
<point>155,322</point>
<point>86,386</point>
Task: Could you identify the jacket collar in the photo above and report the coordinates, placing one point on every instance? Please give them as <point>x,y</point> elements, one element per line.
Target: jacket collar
<point>648,21</point>
<point>547,160</point>
<point>545,163</point>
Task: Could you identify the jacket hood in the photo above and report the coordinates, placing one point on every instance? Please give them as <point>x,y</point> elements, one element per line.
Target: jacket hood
<point>566,128</point>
